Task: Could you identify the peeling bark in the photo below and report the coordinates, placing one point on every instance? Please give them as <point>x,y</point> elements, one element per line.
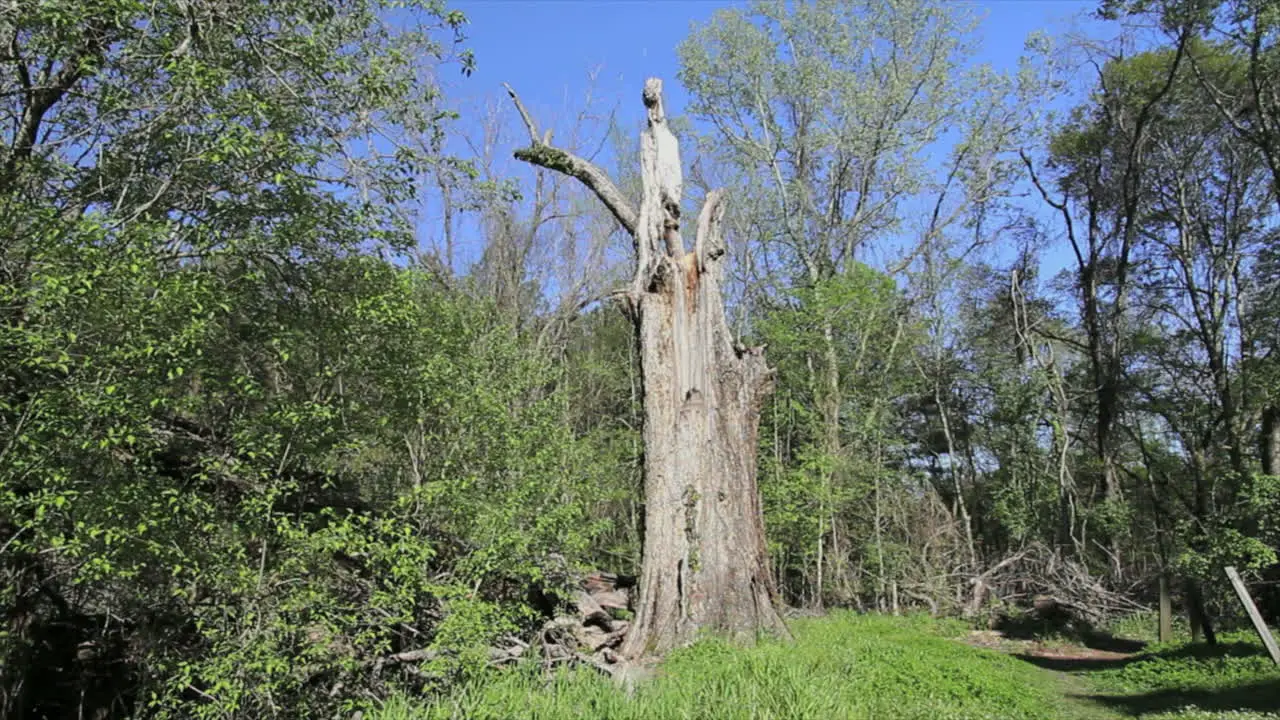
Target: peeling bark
<point>705,565</point>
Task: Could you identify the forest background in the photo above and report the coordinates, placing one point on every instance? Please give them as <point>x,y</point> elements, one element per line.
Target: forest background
<point>302,370</point>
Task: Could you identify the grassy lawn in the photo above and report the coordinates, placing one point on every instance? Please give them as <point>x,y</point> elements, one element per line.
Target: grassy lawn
<point>859,666</point>
<point>1196,682</point>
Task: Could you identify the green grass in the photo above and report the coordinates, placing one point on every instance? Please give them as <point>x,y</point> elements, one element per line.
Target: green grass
<point>1145,626</point>
<point>843,666</point>
<point>866,666</point>
<point>1236,679</point>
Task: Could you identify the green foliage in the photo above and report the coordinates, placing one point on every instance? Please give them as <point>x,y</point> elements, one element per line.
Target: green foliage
<point>1154,165</point>
<point>857,319</point>
<point>602,378</point>
<point>826,120</point>
<point>311,475</point>
<point>246,457</point>
<point>797,94</point>
<point>1182,679</point>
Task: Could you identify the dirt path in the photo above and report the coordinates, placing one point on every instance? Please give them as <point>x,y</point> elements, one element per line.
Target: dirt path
<point>1064,652</point>
<point>1066,663</point>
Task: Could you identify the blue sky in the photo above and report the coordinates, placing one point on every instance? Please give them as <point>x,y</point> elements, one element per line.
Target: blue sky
<point>546,48</point>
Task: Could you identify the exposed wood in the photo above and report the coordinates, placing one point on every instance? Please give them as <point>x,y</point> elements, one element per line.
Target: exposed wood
<point>599,582</point>
<point>591,612</point>
<point>1259,626</point>
<point>1269,441</point>
<point>497,655</point>
<point>613,600</point>
<point>589,638</point>
<point>705,565</point>
<point>981,585</point>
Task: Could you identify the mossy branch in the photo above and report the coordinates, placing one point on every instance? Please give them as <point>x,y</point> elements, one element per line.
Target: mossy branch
<point>544,155</point>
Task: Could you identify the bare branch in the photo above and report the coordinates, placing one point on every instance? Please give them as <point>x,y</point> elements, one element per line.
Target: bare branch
<point>524,115</point>
<point>1059,205</point>
<point>544,155</point>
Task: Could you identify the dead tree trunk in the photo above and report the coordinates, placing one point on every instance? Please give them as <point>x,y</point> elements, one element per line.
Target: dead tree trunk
<point>705,565</point>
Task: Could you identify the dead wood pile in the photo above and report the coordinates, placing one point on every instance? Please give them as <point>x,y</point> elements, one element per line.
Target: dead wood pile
<point>603,605</point>
<point>589,634</point>
<point>1049,585</point>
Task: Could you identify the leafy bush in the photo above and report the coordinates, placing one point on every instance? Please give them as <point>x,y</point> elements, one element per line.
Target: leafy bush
<point>262,487</point>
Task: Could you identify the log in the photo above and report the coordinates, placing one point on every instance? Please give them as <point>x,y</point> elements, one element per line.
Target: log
<point>497,656</point>
<point>601,581</point>
<point>590,637</point>
<point>591,611</point>
<point>612,600</point>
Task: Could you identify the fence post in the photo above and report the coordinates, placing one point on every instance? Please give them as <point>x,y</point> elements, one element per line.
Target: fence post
<point>1264,633</point>
<point>1166,610</point>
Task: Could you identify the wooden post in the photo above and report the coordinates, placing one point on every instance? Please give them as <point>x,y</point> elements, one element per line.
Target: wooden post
<point>1264,634</point>
<point>1166,610</point>
<point>1191,600</point>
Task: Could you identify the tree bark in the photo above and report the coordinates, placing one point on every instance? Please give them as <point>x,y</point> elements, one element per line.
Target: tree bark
<point>705,566</point>
<point>1269,441</point>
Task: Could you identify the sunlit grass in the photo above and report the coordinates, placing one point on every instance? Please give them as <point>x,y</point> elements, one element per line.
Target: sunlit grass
<point>867,666</point>
<point>1233,681</point>
<point>842,666</point>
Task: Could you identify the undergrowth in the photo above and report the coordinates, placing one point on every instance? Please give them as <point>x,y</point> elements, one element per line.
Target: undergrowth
<point>1145,626</point>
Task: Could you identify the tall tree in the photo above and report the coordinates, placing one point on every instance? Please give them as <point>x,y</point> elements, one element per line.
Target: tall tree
<point>1243,85</point>
<point>1238,68</point>
<point>1103,158</point>
<point>823,115</point>
<point>704,563</point>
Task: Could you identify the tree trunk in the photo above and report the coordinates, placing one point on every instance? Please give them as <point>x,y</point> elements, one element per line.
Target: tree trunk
<point>1198,614</point>
<point>1270,441</point>
<point>705,565</point>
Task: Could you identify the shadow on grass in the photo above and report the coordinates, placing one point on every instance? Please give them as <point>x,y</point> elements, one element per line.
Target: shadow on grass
<point>1260,696</point>
<point>1173,666</point>
<point>1074,664</point>
<point>1202,651</point>
<point>1060,626</point>
<point>1199,651</point>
